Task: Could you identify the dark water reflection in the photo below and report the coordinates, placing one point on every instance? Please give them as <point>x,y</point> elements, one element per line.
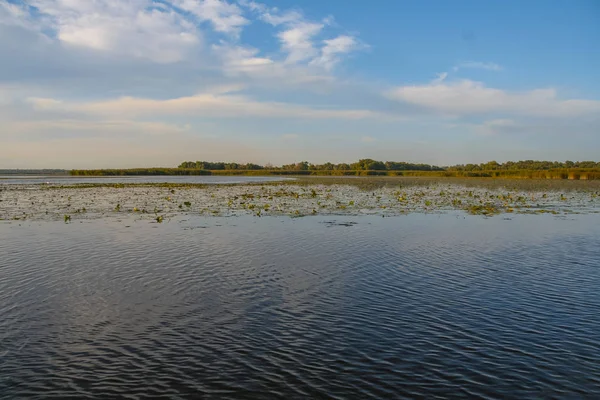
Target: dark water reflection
<point>417,306</point>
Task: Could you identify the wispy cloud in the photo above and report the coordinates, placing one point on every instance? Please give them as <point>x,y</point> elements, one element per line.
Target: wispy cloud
<point>490,66</point>
<point>297,41</point>
<point>224,16</point>
<point>333,49</point>
<point>467,97</point>
<point>300,38</point>
<point>215,105</point>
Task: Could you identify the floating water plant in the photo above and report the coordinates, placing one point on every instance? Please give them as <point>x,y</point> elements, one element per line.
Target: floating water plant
<point>358,196</point>
<point>487,209</point>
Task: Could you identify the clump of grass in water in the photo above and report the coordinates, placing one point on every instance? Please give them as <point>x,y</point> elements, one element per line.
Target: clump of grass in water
<point>483,209</point>
<point>67,219</point>
<point>159,219</point>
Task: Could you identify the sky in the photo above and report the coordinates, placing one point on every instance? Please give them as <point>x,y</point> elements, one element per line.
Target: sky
<point>142,83</point>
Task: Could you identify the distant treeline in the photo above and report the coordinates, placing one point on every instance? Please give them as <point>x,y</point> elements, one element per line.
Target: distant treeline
<point>512,170</point>
<point>531,165</point>
<point>366,164</point>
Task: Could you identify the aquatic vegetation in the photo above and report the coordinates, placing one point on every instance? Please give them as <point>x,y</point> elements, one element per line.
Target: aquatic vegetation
<point>309,196</point>
<point>67,218</point>
<point>486,209</point>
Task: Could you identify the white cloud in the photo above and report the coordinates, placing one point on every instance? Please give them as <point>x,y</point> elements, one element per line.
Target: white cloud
<point>10,12</point>
<point>281,19</point>
<point>297,41</point>
<point>468,97</point>
<point>240,58</point>
<point>490,66</point>
<point>225,17</point>
<point>128,27</point>
<point>367,139</point>
<point>216,105</point>
<point>245,62</point>
<point>169,31</point>
<point>333,48</point>
<point>299,37</point>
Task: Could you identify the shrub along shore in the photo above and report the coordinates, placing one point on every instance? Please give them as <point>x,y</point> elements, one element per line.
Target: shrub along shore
<point>529,169</point>
<point>562,173</point>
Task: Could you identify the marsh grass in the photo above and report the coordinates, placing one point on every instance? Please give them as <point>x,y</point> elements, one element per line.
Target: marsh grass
<point>378,182</point>
<point>372,183</point>
<point>556,173</point>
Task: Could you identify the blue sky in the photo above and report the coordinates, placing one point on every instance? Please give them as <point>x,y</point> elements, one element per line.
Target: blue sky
<point>154,82</point>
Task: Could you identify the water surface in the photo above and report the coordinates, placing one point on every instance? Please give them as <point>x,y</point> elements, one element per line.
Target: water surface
<point>316,307</point>
<point>72,180</point>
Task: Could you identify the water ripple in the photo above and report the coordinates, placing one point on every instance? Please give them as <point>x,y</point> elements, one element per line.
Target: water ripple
<point>420,306</point>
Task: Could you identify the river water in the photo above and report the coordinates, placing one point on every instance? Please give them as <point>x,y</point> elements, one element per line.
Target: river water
<point>72,180</point>
<point>419,306</point>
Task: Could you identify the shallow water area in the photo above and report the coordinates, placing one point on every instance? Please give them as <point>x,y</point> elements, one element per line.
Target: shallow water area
<point>176,179</point>
<point>334,306</point>
<point>165,200</point>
